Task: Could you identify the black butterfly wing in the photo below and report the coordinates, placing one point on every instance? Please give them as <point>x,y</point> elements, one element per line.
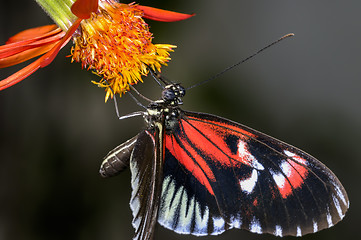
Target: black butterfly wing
<point>146,163</point>
<point>144,154</point>
<point>219,174</point>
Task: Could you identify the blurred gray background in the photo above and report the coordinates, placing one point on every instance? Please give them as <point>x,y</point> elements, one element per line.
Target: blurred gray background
<point>55,127</point>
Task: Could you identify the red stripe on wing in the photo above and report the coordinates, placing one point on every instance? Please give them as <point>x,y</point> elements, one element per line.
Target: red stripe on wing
<point>190,159</point>
<point>201,142</point>
<point>209,141</point>
<point>209,136</point>
<point>295,171</point>
<point>221,125</point>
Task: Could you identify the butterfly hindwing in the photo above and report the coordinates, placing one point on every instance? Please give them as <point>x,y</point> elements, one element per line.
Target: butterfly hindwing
<point>219,174</point>
<point>146,170</point>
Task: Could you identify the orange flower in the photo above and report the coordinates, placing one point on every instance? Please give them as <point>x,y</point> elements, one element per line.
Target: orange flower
<point>110,38</point>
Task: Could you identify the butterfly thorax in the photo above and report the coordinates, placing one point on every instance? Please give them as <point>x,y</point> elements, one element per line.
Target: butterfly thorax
<point>166,108</point>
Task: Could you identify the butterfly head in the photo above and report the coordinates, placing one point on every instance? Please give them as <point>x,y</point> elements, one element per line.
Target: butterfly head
<point>172,94</point>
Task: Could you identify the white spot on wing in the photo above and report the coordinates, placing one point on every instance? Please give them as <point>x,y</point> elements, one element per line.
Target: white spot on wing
<point>329,218</point>
<point>135,175</point>
<point>279,179</point>
<point>201,222</point>
<point>185,218</point>
<point>278,231</point>
<point>248,184</point>
<point>340,194</point>
<point>338,207</point>
<point>295,157</point>
<point>218,225</point>
<point>244,154</point>
<point>257,165</point>
<point>286,168</point>
<point>165,183</point>
<point>288,153</point>
<point>236,221</point>
<point>255,226</point>
<point>167,210</point>
<point>299,232</point>
<point>177,212</point>
<point>136,223</point>
<point>315,226</point>
<point>134,201</point>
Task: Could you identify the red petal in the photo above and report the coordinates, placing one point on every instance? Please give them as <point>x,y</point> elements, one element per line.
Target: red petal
<point>33,33</point>
<point>49,57</point>
<point>21,48</point>
<point>20,75</point>
<point>162,15</point>
<point>24,55</point>
<point>83,8</point>
<point>41,62</point>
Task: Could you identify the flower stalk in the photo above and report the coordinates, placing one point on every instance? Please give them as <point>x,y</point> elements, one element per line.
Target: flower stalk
<point>59,11</point>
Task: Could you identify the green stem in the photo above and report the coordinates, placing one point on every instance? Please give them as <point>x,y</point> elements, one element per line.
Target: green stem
<point>59,11</point>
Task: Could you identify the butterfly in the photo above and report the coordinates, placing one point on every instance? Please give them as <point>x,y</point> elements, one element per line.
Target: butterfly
<point>197,173</point>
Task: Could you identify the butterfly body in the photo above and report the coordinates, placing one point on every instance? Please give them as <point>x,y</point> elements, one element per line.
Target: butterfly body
<point>201,174</point>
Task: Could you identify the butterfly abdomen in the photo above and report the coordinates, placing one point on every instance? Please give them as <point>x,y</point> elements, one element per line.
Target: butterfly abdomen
<point>118,159</point>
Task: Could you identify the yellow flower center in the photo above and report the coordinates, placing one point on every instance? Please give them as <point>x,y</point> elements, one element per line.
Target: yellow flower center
<point>116,43</point>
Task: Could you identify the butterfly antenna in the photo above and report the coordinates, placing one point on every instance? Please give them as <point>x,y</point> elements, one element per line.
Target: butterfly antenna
<point>158,78</point>
<point>139,94</point>
<point>242,61</point>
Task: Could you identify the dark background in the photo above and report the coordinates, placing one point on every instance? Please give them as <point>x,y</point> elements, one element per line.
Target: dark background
<point>55,128</point>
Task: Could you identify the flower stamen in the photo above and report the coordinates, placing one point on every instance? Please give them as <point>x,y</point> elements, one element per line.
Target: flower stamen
<point>116,44</point>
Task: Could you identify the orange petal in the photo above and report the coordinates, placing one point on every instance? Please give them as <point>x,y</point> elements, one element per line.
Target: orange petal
<point>20,75</point>
<point>162,15</point>
<point>24,55</point>
<point>33,33</point>
<point>43,61</point>
<point>83,8</point>
<point>20,47</point>
<point>49,57</point>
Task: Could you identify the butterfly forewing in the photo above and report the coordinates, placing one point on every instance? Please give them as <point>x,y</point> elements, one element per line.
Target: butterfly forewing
<point>219,174</point>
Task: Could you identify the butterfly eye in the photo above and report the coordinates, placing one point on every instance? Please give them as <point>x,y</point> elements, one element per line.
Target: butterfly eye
<point>181,91</point>
<point>168,95</point>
